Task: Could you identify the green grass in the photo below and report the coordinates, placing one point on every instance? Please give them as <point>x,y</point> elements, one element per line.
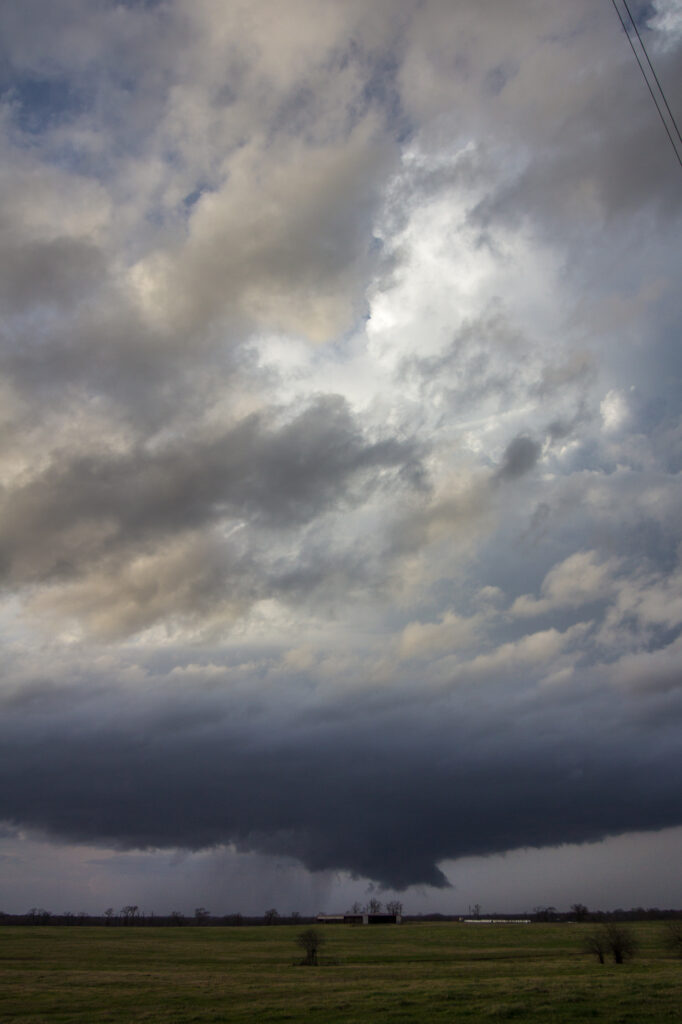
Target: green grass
<point>415,972</point>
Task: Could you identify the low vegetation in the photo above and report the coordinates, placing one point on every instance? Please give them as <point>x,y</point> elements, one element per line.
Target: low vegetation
<point>310,941</point>
<point>446,972</point>
<point>612,939</point>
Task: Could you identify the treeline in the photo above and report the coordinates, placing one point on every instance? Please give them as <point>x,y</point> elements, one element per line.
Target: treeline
<point>580,913</point>
<point>132,916</point>
<point>543,915</point>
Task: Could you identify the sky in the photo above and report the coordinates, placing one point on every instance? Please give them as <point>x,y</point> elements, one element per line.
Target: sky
<point>340,527</point>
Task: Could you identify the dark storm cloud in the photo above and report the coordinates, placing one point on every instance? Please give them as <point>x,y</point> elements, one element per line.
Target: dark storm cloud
<point>387,803</point>
<point>519,457</point>
<point>274,476</point>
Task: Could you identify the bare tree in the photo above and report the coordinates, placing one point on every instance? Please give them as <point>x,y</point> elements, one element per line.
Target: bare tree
<point>356,908</point>
<point>613,938</point>
<point>580,912</point>
<point>622,942</point>
<point>310,942</point>
<point>271,916</point>
<point>373,906</point>
<point>201,915</point>
<point>129,913</point>
<point>394,907</point>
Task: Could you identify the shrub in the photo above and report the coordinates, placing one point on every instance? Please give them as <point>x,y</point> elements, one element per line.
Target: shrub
<point>310,942</point>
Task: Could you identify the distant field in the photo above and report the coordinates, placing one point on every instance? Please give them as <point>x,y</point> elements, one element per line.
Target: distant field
<point>414,972</point>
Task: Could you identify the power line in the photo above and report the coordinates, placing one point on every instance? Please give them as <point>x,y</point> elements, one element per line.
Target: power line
<point>646,79</point>
<point>653,71</point>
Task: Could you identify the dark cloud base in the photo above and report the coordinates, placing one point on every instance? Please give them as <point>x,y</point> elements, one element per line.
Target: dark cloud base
<point>387,802</point>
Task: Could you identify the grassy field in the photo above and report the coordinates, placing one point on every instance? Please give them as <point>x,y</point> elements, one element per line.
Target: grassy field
<point>415,972</point>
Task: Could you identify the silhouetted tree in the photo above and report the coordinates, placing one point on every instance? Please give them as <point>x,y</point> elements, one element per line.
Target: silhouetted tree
<point>310,942</point>
<point>622,942</point>
<point>373,906</point>
<point>613,938</point>
<point>580,911</point>
<point>201,915</point>
<point>271,916</point>
<point>38,915</point>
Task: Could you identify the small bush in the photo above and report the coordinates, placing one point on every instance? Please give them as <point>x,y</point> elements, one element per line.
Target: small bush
<point>310,941</point>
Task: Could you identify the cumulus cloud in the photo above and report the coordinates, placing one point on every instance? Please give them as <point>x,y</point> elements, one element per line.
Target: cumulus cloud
<point>283,244</point>
<point>430,638</point>
<point>578,580</point>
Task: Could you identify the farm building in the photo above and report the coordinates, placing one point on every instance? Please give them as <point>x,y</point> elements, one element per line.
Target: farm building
<point>358,918</point>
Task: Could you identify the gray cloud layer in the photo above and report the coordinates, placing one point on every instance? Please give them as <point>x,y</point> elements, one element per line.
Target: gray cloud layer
<point>271,476</point>
<point>384,796</point>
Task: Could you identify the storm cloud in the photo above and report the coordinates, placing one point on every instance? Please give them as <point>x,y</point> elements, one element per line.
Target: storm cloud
<point>519,457</point>
<point>340,408</point>
<point>384,795</point>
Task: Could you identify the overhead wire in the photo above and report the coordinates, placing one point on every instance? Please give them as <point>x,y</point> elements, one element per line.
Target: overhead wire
<point>653,70</point>
<point>646,79</point>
